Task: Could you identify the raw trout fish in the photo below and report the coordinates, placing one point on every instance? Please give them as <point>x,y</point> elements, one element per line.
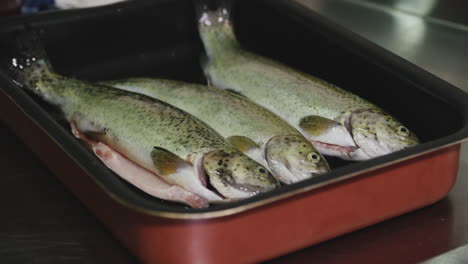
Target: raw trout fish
<point>141,138</point>
<point>337,122</point>
<point>252,129</point>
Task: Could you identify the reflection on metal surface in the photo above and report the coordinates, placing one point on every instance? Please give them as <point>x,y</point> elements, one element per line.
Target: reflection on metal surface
<point>423,7</point>
<point>407,25</point>
<point>435,45</point>
<point>415,9</point>
<point>452,11</point>
<point>412,31</point>
<point>456,256</point>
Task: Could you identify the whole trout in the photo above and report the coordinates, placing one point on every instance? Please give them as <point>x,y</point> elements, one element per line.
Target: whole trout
<point>252,129</point>
<point>337,122</point>
<point>146,133</point>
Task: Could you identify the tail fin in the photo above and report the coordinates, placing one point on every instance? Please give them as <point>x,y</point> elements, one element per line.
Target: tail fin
<point>213,12</point>
<point>215,28</point>
<point>31,60</point>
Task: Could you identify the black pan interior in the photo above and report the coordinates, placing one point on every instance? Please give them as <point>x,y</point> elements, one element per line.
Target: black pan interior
<point>159,39</point>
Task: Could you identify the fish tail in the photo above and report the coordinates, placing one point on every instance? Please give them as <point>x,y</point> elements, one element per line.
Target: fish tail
<point>215,26</point>
<point>31,61</point>
<point>212,12</point>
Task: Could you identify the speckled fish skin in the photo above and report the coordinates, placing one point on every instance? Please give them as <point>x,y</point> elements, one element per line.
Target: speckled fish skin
<point>339,123</point>
<point>134,125</point>
<point>289,155</point>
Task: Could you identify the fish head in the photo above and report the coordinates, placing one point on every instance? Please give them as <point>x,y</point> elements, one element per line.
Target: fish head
<point>235,175</point>
<point>376,133</point>
<point>292,158</point>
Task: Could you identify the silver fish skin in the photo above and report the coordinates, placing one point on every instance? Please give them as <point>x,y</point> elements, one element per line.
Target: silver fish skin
<point>254,130</point>
<point>337,122</point>
<point>156,136</point>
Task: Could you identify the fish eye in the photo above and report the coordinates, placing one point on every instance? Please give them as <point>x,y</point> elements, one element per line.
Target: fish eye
<point>403,131</point>
<point>261,170</point>
<point>313,156</point>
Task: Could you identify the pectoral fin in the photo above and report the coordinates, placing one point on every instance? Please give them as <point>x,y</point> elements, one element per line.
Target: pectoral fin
<point>248,147</point>
<point>328,137</point>
<point>317,125</point>
<point>242,143</point>
<point>166,162</point>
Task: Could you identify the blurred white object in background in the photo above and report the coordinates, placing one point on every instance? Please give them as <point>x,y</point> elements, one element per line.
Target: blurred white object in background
<point>66,4</point>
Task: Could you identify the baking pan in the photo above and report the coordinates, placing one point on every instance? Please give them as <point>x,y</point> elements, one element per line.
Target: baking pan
<point>159,38</point>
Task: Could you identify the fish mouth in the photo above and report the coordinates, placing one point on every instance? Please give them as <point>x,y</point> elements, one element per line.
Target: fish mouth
<point>409,142</point>
<point>252,189</point>
<point>240,191</point>
<point>247,189</point>
<point>286,173</point>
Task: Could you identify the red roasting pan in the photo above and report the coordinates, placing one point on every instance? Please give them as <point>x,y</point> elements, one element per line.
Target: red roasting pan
<point>159,38</point>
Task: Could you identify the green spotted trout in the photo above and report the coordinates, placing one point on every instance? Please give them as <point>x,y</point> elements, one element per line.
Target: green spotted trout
<point>337,122</point>
<point>161,149</point>
<point>252,129</point>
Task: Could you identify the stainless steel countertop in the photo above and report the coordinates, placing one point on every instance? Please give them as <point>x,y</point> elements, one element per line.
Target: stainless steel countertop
<point>436,45</point>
